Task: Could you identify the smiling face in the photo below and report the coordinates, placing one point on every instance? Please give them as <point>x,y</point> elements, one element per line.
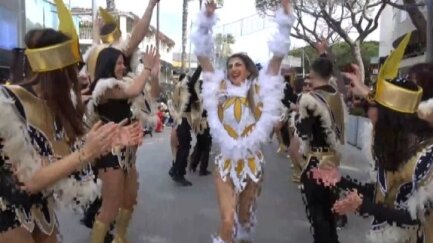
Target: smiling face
<point>237,71</point>
<point>120,68</point>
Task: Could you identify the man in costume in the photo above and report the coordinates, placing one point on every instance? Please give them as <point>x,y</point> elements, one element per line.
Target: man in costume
<point>400,201</point>
<point>320,126</point>
<point>182,105</point>
<point>202,148</point>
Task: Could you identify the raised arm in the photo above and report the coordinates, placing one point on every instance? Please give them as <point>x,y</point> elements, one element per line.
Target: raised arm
<point>202,38</point>
<point>155,88</point>
<point>280,44</point>
<point>141,28</point>
<point>150,59</point>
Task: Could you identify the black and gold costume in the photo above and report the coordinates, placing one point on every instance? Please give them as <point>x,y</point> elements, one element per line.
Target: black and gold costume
<point>30,136</point>
<point>320,125</point>
<point>181,107</point>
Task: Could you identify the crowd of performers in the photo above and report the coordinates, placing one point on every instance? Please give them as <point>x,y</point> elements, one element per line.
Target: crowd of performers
<point>70,130</point>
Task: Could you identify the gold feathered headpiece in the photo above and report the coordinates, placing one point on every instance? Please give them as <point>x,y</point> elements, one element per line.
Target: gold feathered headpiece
<point>60,55</point>
<point>390,95</point>
<point>109,19</point>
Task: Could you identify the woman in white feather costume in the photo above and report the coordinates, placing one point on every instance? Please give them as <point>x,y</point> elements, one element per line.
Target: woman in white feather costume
<point>243,106</point>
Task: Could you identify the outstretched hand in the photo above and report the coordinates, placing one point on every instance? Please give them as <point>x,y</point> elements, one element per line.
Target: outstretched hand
<point>130,135</point>
<point>210,8</point>
<point>287,6</point>
<point>349,204</point>
<point>321,46</point>
<point>156,68</point>
<point>355,77</point>
<point>150,57</point>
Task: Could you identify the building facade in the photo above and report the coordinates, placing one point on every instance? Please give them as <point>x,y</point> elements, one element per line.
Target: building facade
<point>126,24</point>
<point>394,25</point>
<point>16,18</point>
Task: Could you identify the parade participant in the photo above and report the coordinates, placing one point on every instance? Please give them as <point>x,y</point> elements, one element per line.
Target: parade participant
<point>110,102</point>
<point>400,201</point>
<point>44,159</point>
<point>202,148</point>
<point>200,126</point>
<point>243,107</point>
<point>288,104</point>
<point>294,149</point>
<point>181,108</point>
<point>421,74</point>
<point>320,126</point>
<point>110,35</point>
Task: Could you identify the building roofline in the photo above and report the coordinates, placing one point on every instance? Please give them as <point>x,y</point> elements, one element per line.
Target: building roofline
<point>152,30</point>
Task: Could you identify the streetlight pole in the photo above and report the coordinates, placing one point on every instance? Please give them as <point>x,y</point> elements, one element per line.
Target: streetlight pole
<point>157,28</point>
<point>429,4</point>
<point>95,21</point>
<point>303,62</point>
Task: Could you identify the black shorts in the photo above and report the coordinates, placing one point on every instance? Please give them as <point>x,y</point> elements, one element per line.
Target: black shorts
<point>125,161</point>
<point>8,220</point>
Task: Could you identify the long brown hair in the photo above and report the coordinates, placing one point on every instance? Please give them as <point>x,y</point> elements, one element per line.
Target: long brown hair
<point>397,135</point>
<point>56,85</point>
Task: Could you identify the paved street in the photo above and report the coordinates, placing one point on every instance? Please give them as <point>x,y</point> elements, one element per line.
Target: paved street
<point>167,213</point>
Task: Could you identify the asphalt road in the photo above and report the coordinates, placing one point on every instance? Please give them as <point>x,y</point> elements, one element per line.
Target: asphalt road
<point>167,213</point>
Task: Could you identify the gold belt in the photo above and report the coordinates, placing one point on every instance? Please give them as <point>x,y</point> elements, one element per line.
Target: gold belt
<point>325,158</point>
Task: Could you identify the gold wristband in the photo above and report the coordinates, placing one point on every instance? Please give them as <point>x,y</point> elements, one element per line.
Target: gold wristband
<point>370,97</point>
<point>81,154</point>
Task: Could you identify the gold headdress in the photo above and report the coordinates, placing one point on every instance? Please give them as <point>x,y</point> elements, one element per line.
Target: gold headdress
<point>60,55</point>
<point>109,19</point>
<point>390,95</point>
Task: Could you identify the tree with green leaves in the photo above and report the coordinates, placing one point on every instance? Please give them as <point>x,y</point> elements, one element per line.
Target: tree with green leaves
<point>342,53</point>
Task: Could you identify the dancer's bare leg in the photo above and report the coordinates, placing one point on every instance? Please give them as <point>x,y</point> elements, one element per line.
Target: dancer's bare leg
<point>17,235</point>
<point>227,205</point>
<point>40,237</point>
<point>246,211</point>
<point>296,158</point>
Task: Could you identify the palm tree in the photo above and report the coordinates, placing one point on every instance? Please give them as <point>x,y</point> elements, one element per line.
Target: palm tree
<point>184,33</point>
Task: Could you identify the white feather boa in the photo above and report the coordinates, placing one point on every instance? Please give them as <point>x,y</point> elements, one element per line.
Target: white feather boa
<point>426,107</point>
<point>202,38</point>
<point>17,146</point>
<point>271,88</point>
<point>137,103</point>
<point>392,234</point>
<point>280,43</point>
